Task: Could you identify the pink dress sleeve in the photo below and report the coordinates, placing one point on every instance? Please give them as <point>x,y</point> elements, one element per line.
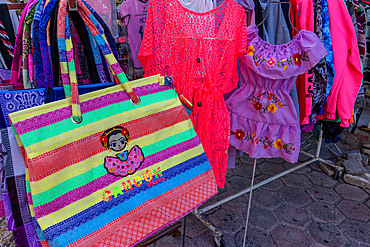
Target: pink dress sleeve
<point>347,64</point>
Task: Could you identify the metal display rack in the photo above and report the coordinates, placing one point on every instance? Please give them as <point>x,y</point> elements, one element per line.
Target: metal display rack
<point>219,242</point>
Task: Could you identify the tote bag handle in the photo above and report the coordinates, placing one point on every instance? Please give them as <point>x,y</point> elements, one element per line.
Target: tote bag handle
<point>67,61</point>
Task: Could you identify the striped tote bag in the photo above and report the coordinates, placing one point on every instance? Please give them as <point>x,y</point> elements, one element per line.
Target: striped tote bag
<point>110,167</point>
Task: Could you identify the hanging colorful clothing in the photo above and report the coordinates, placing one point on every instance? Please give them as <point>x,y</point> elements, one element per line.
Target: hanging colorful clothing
<point>201,49</point>
<point>348,69</point>
<point>263,119</point>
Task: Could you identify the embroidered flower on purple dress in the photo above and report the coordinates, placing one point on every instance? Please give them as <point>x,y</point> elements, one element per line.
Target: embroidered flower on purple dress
<point>250,50</point>
<point>297,59</point>
<point>272,108</point>
<point>278,144</point>
<point>271,62</point>
<point>239,134</point>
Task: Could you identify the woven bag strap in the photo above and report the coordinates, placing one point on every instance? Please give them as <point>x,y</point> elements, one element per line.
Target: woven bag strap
<point>65,46</point>
<point>16,64</point>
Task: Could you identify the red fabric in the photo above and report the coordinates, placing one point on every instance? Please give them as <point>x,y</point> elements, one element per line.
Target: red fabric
<point>302,15</point>
<point>201,49</point>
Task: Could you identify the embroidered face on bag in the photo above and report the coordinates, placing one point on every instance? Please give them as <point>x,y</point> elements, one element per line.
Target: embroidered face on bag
<point>126,162</point>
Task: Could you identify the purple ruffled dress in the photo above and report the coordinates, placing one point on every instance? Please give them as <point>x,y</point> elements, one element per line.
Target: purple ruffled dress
<point>264,122</point>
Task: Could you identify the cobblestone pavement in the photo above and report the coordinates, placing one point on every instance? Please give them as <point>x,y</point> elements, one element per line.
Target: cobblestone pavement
<point>304,208</point>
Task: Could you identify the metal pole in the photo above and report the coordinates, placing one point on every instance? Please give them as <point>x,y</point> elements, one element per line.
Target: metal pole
<point>249,202</point>
<point>205,209</point>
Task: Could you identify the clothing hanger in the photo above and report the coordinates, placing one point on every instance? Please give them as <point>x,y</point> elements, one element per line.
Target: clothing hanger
<point>268,9</point>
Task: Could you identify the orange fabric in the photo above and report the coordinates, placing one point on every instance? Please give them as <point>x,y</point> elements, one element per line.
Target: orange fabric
<point>201,49</point>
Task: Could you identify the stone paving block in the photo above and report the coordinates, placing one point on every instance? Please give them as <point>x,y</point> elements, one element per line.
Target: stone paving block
<point>296,181</point>
<point>194,227</point>
<point>320,178</point>
<point>351,192</point>
<point>286,236</point>
<point>245,159</point>
<point>326,234</point>
<point>273,186</point>
<point>265,199</point>
<point>238,204</point>
<point>354,167</point>
<point>261,218</point>
<point>354,210</point>
<point>255,238</point>
<point>323,194</point>
<point>356,245</point>
<point>237,183</point>
<point>206,239</point>
<point>356,231</point>
<point>294,196</point>
<point>246,170</point>
<point>368,203</point>
<point>323,212</point>
<point>292,216</point>
<point>304,170</point>
<point>170,241</point>
<point>227,221</point>
<point>270,168</point>
<point>315,167</point>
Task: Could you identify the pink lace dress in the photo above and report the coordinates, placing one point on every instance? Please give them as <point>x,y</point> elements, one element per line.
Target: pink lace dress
<point>201,50</point>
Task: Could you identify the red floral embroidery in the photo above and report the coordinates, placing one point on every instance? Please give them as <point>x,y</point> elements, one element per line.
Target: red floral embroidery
<point>239,134</point>
<point>269,106</point>
<point>258,106</point>
<point>103,139</point>
<point>124,131</point>
<point>266,142</point>
<point>297,59</point>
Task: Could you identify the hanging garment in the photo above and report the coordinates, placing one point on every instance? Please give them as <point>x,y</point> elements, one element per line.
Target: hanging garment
<point>264,123</point>
<point>303,18</point>
<point>134,14</point>
<point>199,6</point>
<point>348,70</point>
<point>329,48</point>
<point>367,60</point>
<point>7,37</point>
<point>319,75</point>
<point>201,49</point>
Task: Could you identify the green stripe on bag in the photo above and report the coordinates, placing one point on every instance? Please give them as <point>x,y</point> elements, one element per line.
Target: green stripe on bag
<point>60,127</point>
<point>91,175</point>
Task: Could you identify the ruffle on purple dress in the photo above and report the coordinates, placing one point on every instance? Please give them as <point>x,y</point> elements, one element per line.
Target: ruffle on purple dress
<point>264,122</point>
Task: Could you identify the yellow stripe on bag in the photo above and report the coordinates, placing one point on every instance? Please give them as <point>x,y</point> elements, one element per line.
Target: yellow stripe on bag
<point>84,166</point>
<point>50,107</point>
<point>95,127</point>
<point>81,205</point>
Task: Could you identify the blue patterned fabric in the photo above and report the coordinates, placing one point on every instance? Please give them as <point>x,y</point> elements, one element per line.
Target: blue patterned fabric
<point>328,45</point>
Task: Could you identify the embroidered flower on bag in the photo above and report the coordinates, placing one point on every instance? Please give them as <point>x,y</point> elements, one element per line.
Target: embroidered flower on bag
<point>250,50</point>
<point>271,62</point>
<point>285,67</point>
<point>272,108</point>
